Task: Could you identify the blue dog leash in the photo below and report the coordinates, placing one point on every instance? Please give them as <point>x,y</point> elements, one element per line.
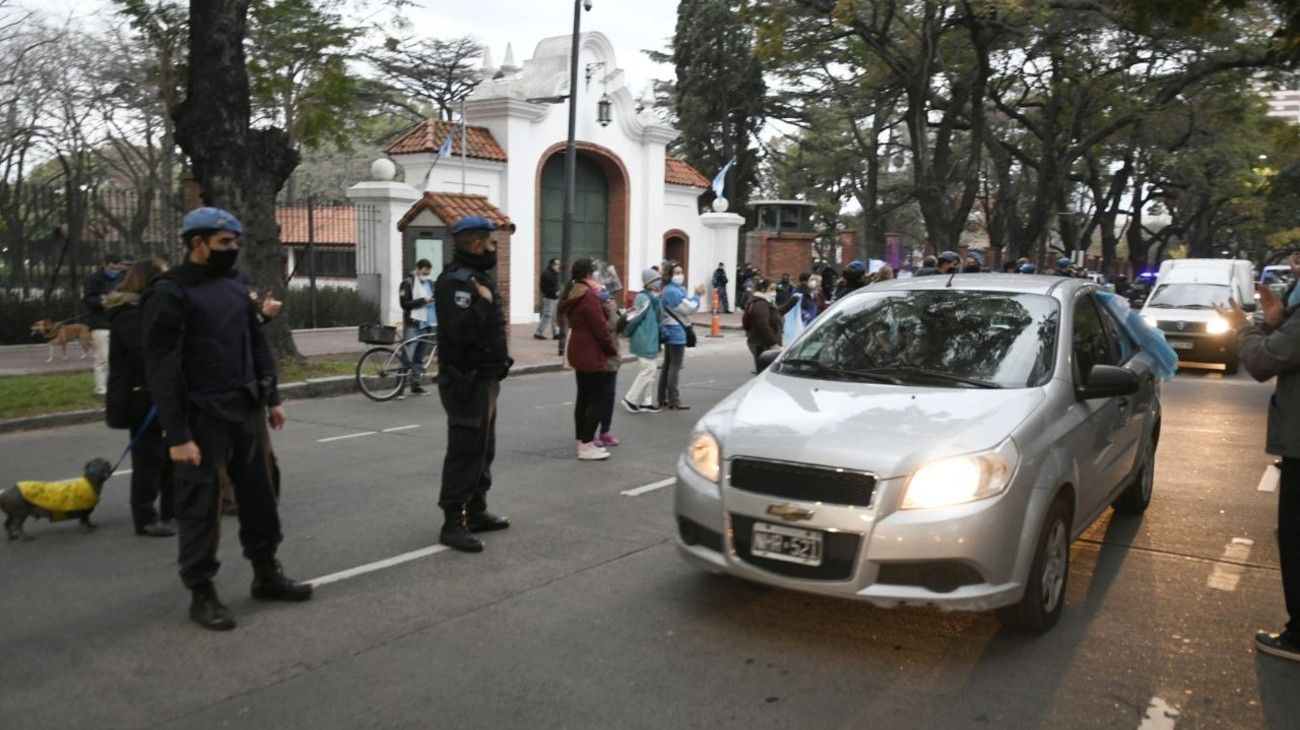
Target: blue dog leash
<point>135,439</point>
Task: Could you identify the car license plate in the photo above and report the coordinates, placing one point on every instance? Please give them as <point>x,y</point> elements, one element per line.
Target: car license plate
<point>1180,344</point>
<point>786,543</point>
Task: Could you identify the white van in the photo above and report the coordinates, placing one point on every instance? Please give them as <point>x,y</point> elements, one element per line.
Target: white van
<point>1182,305</point>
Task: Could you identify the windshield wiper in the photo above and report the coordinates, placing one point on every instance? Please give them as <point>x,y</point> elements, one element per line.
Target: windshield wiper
<point>935,375</point>
<point>832,371</point>
<point>1161,305</point>
<point>1196,306</point>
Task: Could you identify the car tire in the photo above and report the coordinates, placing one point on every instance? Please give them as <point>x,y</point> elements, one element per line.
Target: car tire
<point>1134,499</point>
<point>1040,608</point>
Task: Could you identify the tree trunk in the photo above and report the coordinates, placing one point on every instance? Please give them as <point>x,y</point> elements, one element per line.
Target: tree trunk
<point>237,168</point>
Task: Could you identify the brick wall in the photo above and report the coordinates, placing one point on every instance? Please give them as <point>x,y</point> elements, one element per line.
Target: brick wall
<point>503,267</point>
<point>776,254</point>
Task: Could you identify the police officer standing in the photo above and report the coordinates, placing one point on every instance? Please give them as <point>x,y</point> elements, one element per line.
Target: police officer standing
<point>211,374</point>
<point>473,358</point>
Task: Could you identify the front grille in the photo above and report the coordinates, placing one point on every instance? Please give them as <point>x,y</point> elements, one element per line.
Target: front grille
<point>1173,325</point>
<point>839,553</point>
<point>803,482</point>
<point>940,576</point>
<point>693,533</point>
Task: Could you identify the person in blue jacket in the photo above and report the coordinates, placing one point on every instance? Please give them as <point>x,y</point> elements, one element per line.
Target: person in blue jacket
<point>643,333</point>
<point>679,307</point>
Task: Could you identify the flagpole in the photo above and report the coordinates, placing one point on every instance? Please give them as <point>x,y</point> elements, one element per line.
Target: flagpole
<point>464,132</point>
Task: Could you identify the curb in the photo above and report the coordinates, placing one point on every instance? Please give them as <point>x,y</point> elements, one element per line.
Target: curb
<point>300,390</point>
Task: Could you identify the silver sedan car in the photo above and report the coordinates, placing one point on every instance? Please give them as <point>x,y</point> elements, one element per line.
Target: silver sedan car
<point>930,441</point>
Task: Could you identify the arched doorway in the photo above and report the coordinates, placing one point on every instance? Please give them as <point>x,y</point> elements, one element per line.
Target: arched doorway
<point>590,209</point>
<point>677,247</point>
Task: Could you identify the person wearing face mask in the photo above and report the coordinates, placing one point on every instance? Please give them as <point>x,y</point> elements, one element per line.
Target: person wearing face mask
<point>94,291</point>
<point>643,336</point>
<point>590,347</point>
<point>419,316</point>
<point>679,307</point>
<point>550,288</point>
<point>808,288</point>
<point>764,320</point>
<point>473,359</point>
<point>210,372</point>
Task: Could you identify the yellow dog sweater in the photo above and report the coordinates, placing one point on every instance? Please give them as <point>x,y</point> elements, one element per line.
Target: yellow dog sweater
<point>69,495</point>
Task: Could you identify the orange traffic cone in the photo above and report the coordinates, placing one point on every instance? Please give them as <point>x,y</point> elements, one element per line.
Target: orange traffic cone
<point>715,324</point>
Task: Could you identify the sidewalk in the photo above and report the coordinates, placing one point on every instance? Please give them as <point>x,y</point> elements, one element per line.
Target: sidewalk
<point>28,359</point>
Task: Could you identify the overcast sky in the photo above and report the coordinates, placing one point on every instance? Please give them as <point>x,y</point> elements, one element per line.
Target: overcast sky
<point>632,25</point>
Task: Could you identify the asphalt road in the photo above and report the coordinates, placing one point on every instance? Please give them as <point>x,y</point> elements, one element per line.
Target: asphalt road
<point>581,615</point>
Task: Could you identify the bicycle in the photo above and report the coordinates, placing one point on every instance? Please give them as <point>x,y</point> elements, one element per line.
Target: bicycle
<point>384,372</point>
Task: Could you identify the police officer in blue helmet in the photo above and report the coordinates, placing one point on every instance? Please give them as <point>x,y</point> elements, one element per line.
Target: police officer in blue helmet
<point>210,373</point>
<point>473,359</point>
<point>1065,266</point>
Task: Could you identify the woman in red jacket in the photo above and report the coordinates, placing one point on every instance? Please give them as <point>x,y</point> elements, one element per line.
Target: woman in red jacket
<point>589,349</point>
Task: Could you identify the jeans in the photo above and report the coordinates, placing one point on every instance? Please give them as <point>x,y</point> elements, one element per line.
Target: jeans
<point>756,350</point>
<point>589,404</point>
<point>548,318</point>
<point>642,392</point>
<point>99,338</point>
<point>668,376</point>
<point>1288,540</point>
<point>417,352</point>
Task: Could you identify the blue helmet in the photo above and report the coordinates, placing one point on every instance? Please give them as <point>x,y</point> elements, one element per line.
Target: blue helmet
<point>472,223</point>
<point>1028,269</point>
<point>858,265</point>
<point>949,256</point>
<point>1065,261</point>
<point>210,219</point>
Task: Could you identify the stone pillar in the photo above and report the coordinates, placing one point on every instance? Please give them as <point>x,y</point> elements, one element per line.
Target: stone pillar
<point>721,231</point>
<point>381,203</point>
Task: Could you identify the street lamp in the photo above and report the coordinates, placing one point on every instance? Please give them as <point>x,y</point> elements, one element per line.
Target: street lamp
<point>604,111</point>
<point>570,154</point>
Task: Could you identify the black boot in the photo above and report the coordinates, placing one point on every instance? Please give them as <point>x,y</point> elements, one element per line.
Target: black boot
<point>271,584</point>
<point>486,522</point>
<point>455,534</point>
<point>208,611</point>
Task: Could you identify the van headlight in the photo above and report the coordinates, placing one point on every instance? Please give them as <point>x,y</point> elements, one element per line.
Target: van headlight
<point>1217,326</point>
<point>962,479</point>
<point>704,455</point>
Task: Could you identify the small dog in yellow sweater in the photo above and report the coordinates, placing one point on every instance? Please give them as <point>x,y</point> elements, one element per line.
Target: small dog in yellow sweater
<point>55,501</point>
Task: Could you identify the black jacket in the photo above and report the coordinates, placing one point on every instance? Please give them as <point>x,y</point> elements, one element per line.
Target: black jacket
<point>766,322</point>
<point>471,330</point>
<point>550,284</point>
<point>204,350</point>
<point>128,401</point>
<point>407,301</point>
<point>94,290</point>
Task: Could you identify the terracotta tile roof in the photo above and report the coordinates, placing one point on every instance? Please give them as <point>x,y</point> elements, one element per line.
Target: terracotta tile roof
<point>680,172</point>
<point>428,136</point>
<point>451,207</point>
<point>334,224</point>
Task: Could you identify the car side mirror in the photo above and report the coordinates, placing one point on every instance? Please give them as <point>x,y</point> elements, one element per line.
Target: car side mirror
<point>766,359</point>
<point>1109,381</point>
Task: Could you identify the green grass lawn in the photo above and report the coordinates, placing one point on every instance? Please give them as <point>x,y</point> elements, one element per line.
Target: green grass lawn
<point>31,395</point>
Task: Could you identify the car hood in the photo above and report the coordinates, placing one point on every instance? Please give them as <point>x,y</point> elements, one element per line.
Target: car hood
<point>881,428</point>
<point>1179,314</point>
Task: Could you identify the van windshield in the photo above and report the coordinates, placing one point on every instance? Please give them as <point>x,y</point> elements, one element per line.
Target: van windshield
<point>1189,296</point>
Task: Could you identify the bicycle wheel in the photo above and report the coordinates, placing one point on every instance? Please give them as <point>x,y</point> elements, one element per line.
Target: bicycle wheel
<point>381,374</point>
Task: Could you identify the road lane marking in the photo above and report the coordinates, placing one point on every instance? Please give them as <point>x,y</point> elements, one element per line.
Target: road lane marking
<point>401,428</point>
<point>1226,575</point>
<point>1160,716</point>
<point>1268,482</point>
<point>553,405</point>
<point>346,436</point>
<point>648,488</point>
<point>377,565</point>
<point>121,473</point>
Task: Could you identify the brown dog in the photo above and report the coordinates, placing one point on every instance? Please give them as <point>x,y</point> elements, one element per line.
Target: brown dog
<point>55,501</point>
<point>59,335</point>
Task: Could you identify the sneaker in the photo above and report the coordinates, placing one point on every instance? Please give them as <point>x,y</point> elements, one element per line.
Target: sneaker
<point>589,451</point>
<point>631,407</point>
<point>652,408</point>
<point>608,439</point>
<point>538,337</point>
<point>1284,645</point>
<point>679,407</point>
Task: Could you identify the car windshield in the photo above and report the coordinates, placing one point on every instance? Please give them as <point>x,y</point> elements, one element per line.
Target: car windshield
<point>1276,276</point>
<point>948,338</point>
<point>1189,296</point>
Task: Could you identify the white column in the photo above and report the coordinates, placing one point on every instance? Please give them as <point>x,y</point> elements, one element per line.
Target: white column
<point>380,205</point>
<point>721,232</point>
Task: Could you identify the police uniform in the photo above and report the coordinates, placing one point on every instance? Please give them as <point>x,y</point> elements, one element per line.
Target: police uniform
<point>473,358</point>
<point>210,372</point>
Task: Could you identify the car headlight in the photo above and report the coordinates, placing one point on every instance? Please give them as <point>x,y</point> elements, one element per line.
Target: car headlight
<point>962,479</point>
<point>1217,326</point>
<point>704,456</point>
<point>1152,321</point>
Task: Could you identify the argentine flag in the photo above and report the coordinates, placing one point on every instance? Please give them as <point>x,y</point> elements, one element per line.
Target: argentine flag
<point>445,149</point>
<point>720,180</point>
<point>443,152</point>
<point>793,326</point>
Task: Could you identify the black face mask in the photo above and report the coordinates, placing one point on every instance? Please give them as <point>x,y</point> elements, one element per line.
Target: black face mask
<point>221,262</point>
<point>485,261</point>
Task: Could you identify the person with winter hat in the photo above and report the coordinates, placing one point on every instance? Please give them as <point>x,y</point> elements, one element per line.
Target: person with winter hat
<point>643,335</point>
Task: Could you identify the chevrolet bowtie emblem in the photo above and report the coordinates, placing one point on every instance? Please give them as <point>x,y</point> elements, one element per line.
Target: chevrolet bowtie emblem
<point>789,512</point>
